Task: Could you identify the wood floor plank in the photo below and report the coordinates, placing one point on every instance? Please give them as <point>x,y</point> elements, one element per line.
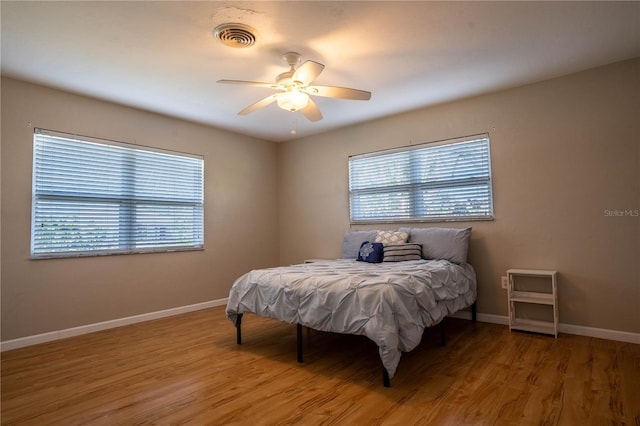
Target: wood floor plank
<point>188,369</point>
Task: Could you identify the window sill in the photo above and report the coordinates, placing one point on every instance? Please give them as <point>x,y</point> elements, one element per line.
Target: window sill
<point>99,254</point>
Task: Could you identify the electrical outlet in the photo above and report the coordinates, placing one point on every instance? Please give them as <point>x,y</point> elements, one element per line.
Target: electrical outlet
<point>504,282</point>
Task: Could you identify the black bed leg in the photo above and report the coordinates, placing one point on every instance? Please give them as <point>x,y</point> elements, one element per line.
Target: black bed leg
<point>474,312</point>
<point>239,329</point>
<point>443,339</point>
<point>299,341</point>
<point>386,381</point>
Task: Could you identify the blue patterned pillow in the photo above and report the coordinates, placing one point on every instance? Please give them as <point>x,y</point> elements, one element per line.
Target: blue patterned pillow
<point>371,252</point>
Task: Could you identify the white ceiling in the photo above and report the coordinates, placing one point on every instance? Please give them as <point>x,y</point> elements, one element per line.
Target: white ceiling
<point>161,56</point>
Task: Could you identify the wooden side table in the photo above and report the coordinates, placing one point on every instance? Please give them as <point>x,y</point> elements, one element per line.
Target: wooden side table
<point>519,295</point>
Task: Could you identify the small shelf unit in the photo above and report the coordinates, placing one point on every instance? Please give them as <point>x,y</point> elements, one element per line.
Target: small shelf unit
<point>522,296</point>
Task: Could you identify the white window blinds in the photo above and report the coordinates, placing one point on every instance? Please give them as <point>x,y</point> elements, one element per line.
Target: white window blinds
<point>95,197</point>
<point>448,180</point>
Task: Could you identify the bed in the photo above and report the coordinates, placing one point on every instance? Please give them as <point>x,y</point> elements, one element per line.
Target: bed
<point>390,302</point>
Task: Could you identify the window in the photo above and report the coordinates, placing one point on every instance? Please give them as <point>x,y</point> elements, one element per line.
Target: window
<point>94,197</point>
<point>442,181</point>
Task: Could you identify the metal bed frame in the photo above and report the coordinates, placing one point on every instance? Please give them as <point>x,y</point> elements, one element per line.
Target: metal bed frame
<point>386,381</point>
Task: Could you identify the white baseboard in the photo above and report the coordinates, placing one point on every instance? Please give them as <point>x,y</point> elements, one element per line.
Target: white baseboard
<point>621,336</point>
<point>600,333</point>
<point>90,328</point>
<point>493,319</point>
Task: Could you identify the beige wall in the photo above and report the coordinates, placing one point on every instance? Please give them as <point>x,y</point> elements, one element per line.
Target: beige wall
<point>39,296</point>
<point>563,152</point>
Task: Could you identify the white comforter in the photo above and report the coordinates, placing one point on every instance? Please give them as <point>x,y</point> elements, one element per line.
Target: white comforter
<point>391,302</point>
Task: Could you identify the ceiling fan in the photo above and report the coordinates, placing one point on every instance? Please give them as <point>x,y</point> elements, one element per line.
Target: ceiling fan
<point>295,90</point>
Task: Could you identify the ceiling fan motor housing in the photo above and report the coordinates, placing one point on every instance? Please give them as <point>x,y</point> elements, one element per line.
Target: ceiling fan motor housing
<point>292,58</point>
<point>284,78</point>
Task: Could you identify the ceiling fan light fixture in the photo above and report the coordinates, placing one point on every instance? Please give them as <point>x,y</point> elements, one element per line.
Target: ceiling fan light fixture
<point>294,90</point>
<point>293,100</point>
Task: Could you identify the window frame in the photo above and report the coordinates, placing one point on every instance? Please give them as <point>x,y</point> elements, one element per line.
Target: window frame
<point>127,243</point>
<point>417,217</point>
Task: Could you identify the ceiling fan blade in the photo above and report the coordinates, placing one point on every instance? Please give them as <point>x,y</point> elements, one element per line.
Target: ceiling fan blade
<point>307,72</point>
<point>339,92</point>
<point>260,104</point>
<point>248,83</point>
<point>311,111</point>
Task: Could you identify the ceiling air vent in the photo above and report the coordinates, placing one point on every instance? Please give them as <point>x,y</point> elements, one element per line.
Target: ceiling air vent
<point>235,35</point>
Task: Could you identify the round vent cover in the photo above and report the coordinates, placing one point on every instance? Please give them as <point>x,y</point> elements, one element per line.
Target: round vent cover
<point>235,35</point>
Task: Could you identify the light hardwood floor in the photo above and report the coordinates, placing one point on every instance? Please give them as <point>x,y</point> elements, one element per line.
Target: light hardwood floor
<point>188,369</point>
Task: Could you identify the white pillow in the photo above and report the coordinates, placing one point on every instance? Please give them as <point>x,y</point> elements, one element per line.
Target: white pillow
<point>391,237</point>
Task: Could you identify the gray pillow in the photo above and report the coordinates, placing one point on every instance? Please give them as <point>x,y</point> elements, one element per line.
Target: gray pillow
<point>450,244</point>
<point>353,240</point>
